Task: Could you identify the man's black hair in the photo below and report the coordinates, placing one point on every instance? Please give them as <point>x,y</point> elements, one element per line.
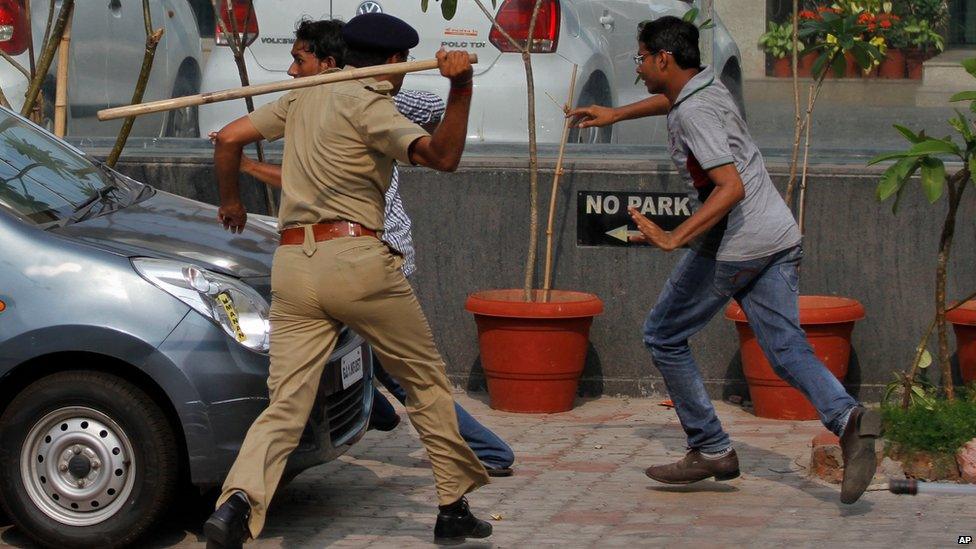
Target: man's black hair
<point>323,39</point>
<point>674,35</point>
<point>368,58</point>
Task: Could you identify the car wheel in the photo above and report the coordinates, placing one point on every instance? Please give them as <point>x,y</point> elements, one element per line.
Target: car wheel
<point>183,122</point>
<point>86,460</point>
<point>595,92</point>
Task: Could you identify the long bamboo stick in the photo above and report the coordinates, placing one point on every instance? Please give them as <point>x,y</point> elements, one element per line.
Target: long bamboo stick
<point>271,87</point>
<point>61,89</point>
<point>557,174</point>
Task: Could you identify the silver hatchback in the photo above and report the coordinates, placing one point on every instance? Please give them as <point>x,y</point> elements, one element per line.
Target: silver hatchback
<point>133,346</point>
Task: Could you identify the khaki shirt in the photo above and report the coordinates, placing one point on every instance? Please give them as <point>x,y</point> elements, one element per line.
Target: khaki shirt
<point>340,144</point>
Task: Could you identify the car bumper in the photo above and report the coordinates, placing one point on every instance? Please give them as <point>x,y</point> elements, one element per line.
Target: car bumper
<point>226,389</point>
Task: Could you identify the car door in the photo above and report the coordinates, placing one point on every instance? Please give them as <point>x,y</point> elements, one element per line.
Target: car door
<point>126,27</point>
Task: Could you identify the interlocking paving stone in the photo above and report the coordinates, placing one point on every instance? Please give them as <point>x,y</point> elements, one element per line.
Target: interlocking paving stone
<point>579,482</point>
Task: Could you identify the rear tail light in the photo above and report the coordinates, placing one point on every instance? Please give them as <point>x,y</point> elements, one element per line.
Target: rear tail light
<point>235,15</point>
<point>14,30</point>
<point>514,16</point>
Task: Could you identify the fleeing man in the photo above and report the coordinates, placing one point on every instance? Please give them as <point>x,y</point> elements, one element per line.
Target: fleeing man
<point>745,246</point>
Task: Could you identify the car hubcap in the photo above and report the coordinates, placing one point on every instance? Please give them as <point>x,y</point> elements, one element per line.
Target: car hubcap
<point>78,466</point>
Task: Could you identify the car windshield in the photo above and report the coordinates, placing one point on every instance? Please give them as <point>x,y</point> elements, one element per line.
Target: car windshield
<point>48,182</point>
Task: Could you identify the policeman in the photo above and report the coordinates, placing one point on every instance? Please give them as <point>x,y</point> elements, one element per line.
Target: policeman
<point>331,269</point>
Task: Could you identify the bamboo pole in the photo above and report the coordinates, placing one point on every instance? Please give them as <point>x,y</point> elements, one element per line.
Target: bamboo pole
<point>152,41</point>
<point>271,87</point>
<point>44,63</point>
<point>61,91</point>
<point>547,281</point>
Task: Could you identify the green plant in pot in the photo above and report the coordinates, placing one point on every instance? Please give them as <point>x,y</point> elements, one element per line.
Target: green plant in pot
<point>827,320</point>
<point>926,156</point>
<point>777,41</point>
<point>533,341</point>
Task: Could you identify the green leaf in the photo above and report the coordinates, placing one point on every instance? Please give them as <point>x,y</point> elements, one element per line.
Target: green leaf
<point>961,125</point>
<point>818,65</point>
<point>934,146</point>
<point>972,169</point>
<point>840,66</point>
<point>925,360</point>
<point>690,15</point>
<point>894,178</point>
<point>448,8</point>
<point>970,66</point>
<point>423,5</point>
<point>862,57</point>
<point>933,178</point>
<point>909,134</point>
<point>708,24</point>
<point>887,156</point>
<point>964,96</point>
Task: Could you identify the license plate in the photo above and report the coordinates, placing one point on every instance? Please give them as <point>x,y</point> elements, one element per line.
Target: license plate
<point>352,368</point>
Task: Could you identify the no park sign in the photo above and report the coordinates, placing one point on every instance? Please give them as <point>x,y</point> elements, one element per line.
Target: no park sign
<point>602,218</point>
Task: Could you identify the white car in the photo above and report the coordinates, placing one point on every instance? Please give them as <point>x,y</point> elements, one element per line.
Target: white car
<point>108,40</point>
<point>598,35</point>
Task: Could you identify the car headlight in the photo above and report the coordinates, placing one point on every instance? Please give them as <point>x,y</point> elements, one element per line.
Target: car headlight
<point>228,302</point>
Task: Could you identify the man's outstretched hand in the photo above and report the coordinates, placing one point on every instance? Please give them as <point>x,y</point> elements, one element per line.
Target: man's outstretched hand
<point>232,217</point>
<point>592,116</point>
<point>651,233</point>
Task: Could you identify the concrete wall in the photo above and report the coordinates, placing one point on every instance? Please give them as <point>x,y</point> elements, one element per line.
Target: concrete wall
<point>471,232</point>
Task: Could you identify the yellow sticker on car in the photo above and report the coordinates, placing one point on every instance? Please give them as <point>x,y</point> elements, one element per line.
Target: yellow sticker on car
<point>228,305</point>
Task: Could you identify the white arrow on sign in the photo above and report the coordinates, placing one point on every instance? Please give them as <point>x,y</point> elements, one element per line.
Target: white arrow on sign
<point>621,233</point>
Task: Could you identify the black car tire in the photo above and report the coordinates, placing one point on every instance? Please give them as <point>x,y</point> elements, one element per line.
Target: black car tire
<point>595,92</point>
<point>131,454</point>
<point>183,122</point>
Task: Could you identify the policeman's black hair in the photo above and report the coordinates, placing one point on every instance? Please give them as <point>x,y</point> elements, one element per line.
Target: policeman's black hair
<point>674,35</point>
<point>368,58</point>
<point>323,39</point>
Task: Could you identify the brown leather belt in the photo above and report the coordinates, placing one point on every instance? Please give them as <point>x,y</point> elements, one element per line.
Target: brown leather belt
<point>325,231</point>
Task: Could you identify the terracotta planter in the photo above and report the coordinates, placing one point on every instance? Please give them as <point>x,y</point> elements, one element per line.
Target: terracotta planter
<point>914,59</point>
<point>963,321</point>
<point>805,64</point>
<point>532,353</point>
<point>893,65</point>
<point>828,322</point>
<point>782,68</point>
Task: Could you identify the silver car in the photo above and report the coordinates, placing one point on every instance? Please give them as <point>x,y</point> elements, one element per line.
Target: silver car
<point>133,346</point>
<point>108,40</point>
<point>598,35</point>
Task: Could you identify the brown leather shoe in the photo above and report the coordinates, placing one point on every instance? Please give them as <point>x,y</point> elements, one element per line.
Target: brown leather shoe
<point>694,467</point>
<point>857,447</point>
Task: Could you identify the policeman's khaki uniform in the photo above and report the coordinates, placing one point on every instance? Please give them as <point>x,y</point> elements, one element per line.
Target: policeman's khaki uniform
<point>340,144</point>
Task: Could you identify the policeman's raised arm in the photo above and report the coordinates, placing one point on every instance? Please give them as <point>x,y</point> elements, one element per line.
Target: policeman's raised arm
<point>442,150</point>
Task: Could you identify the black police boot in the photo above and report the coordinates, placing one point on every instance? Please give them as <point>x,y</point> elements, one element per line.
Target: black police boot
<point>227,526</point>
<point>455,523</point>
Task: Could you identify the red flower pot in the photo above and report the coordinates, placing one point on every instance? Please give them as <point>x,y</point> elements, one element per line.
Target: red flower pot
<point>532,353</point>
<point>963,321</point>
<point>782,67</point>
<point>893,65</point>
<point>805,64</point>
<point>914,59</point>
<point>828,322</point>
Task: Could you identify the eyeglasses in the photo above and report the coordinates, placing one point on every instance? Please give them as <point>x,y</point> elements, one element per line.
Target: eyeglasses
<point>639,58</point>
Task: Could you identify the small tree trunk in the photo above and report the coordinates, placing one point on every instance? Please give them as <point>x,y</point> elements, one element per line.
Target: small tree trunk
<point>797,120</point>
<point>47,55</point>
<point>955,187</point>
<point>61,93</point>
<point>152,41</point>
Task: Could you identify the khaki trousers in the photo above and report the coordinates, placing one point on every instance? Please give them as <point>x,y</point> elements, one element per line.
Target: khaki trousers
<point>316,287</point>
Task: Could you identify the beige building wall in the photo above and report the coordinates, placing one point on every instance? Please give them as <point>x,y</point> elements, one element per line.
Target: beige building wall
<point>746,21</point>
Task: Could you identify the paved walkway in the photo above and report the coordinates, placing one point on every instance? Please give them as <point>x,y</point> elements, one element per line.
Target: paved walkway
<point>580,483</point>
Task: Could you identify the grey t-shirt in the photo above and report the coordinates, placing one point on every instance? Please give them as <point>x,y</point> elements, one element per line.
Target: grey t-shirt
<point>705,130</point>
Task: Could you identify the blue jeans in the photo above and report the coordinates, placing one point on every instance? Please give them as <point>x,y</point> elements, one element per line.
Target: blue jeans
<point>767,289</point>
<point>493,452</point>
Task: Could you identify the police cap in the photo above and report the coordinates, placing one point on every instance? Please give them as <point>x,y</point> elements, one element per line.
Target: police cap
<point>379,32</point>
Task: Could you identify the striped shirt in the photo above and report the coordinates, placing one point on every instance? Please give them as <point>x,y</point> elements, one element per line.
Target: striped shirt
<point>422,108</point>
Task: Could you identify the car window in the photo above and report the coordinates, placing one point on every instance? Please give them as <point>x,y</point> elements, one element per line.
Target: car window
<point>41,178</point>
